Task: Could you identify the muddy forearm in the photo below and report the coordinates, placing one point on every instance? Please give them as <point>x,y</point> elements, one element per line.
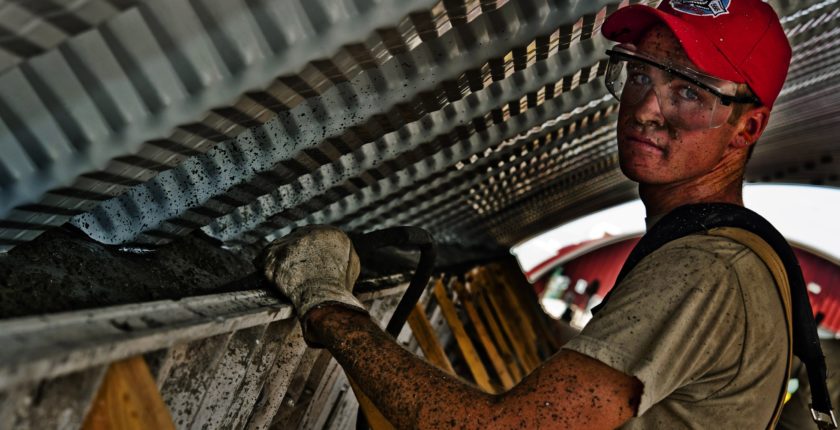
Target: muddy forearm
<point>410,392</point>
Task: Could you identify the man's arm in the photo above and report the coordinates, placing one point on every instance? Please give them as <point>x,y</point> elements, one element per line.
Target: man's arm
<point>316,267</point>
<point>569,391</point>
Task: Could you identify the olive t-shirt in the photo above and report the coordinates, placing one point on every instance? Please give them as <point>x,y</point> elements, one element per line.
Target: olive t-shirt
<point>699,322</point>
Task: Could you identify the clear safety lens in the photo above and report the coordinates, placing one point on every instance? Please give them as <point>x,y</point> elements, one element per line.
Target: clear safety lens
<point>683,102</point>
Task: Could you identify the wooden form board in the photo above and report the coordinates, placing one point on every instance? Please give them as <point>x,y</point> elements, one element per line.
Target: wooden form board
<point>426,339</point>
<point>483,336</point>
<point>510,320</point>
<point>527,316</point>
<point>465,344</point>
<point>505,350</point>
<point>128,399</point>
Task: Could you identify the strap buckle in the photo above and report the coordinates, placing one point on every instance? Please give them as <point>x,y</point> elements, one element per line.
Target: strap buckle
<point>824,420</point>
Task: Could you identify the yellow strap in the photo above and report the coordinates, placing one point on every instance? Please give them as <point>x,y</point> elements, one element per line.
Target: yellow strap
<point>777,268</point>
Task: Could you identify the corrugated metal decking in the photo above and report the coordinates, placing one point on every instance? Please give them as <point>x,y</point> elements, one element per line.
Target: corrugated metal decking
<point>485,122</point>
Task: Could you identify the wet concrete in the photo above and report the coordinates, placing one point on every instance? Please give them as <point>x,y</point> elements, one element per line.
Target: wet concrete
<point>64,270</point>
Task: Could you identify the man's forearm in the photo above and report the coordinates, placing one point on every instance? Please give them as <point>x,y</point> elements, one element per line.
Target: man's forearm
<point>410,392</point>
<point>568,391</point>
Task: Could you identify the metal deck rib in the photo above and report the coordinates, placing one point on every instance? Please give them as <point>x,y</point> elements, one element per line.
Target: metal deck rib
<point>483,121</point>
<point>32,27</point>
<point>120,89</point>
<point>394,145</point>
<point>315,122</point>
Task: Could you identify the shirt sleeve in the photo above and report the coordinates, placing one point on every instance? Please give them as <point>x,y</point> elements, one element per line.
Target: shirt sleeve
<point>676,315</point>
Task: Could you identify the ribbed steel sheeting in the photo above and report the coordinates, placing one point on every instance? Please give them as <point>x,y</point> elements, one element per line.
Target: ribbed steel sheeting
<point>449,187</point>
<point>31,27</point>
<point>458,121</point>
<point>800,144</point>
<point>427,118</point>
<point>419,176</point>
<point>446,169</point>
<point>454,197</point>
<point>85,121</point>
<point>310,137</point>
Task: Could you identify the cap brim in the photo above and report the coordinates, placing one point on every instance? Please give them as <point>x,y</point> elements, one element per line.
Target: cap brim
<point>629,24</point>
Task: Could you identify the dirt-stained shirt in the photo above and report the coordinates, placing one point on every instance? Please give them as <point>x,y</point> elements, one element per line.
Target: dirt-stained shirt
<point>699,322</point>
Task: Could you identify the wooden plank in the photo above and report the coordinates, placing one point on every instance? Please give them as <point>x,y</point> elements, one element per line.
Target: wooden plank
<point>519,323</point>
<point>522,315</point>
<point>228,377</point>
<point>375,419</point>
<point>63,402</point>
<point>485,310</point>
<point>261,364</point>
<point>546,335</point>
<point>190,377</point>
<point>485,283</point>
<point>426,339</point>
<point>546,340</point>
<point>511,332</point>
<point>128,399</point>
<point>483,336</point>
<point>482,379</point>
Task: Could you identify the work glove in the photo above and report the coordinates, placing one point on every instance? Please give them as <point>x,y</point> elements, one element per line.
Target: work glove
<point>313,266</point>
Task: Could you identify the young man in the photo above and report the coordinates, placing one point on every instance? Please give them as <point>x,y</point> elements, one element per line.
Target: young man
<point>695,335</point>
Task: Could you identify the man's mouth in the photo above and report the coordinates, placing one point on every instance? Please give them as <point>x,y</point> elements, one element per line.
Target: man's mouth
<point>643,142</point>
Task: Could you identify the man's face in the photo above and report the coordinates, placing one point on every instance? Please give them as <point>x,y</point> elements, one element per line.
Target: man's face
<point>653,151</point>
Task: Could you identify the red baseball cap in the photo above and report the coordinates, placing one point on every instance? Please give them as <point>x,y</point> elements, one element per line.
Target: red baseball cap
<point>737,40</point>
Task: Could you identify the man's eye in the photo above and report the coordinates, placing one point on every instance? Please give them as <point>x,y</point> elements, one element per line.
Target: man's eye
<point>689,93</point>
<point>640,79</point>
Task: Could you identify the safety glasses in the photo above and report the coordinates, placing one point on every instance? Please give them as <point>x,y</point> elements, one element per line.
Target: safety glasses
<point>688,100</point>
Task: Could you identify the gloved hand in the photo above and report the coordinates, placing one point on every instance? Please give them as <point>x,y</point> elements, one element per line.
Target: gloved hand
<point>313,266</point>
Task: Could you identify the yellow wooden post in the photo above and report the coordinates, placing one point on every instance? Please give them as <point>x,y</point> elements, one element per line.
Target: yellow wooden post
<point>495,358</point>
<point>375,419</point>
<point>546,335</point>
<point>521,316</point>
<point>507,321</point>
<point>482,379</point>
<point>128,399</point>
<point>425,335</point>
<point>502,343</point>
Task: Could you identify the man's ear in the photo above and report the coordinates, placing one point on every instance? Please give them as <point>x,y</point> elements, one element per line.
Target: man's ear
<point>751,126</point>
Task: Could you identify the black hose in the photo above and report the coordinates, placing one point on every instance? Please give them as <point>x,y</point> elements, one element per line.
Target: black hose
<point>402,237</point>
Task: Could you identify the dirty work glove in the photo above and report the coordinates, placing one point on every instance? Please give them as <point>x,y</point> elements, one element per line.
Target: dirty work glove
<point>313,266</point>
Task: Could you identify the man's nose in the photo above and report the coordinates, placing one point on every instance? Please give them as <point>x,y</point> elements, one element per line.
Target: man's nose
<point>648,110</point>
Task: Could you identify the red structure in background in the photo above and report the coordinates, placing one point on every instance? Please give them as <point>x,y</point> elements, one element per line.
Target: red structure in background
<point>603,262</point>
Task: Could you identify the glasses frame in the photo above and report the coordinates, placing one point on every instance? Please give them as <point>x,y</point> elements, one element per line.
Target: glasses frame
<point>725,99</point>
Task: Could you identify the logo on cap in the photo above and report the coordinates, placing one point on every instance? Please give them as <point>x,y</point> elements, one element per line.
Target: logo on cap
<point>702,7</point>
